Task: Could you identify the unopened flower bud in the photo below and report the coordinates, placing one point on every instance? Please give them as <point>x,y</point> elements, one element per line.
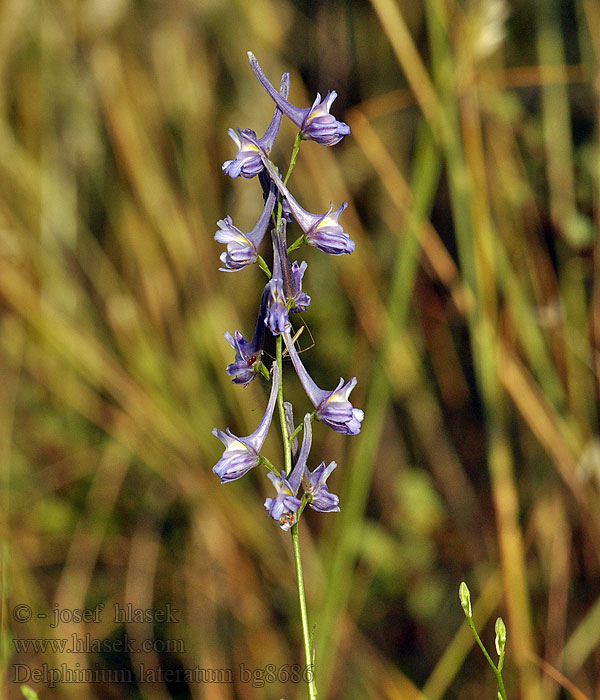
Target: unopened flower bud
<point>500,636</point>
<point>465,599</point>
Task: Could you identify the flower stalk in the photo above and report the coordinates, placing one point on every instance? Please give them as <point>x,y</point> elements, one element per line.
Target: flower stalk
<point>287,453</point>
<point>500,641</point>
<point>310,676</point>
<point>282,296</point>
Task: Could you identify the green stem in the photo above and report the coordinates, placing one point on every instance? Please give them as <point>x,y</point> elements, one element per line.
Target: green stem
<point>309,671</point>
<point>284,431</point>
<point>497,672</point>
<point>303,503</point>
<point>297,243</point>
<point>293,157</point>
<point>287,453</point>
<point>271,467</point>
<point>259,367</point>
<point>295,150</point>
<point>481,645</point>
<point>300,427</point>
<point>501,685</point>
<point>263,266</point>
<point>311,686</point>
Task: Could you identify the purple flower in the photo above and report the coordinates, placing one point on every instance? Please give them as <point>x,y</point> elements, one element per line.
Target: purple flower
<point>242,453</point>
<point>284,506</point>
<point>286,212</point>
<point>320,230</point>
<point>301,299</point>
<point>242,368</point>
<point>289,421</point>
<point>322,127</point>
<point>248,353</point>
<point>266,183</point>
<point>247,161</point>
<point>300,465</point>
<point>313,483</point>
<point>332,407</point>
<point>315,123</point>
<point>242,248</point>
<point>291,273</point>
<point>314,486</point>
<point>277,319</point>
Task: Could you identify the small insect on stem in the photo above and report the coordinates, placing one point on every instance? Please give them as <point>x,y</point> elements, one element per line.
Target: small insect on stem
<point>295,338</point>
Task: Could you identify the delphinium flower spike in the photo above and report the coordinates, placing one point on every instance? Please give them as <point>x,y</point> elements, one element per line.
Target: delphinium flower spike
<point>315,123</point>
<point>332,407</point>
<point>242,248</point>
<point>242,453</point>
<point>281,296</point>
<point>248,353</point>
<point>247,161</point>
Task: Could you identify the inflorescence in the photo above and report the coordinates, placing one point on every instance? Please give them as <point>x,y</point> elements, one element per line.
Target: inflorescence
<point>281,297</point>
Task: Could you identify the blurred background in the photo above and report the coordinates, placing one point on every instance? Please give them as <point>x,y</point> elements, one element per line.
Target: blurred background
<point>469,312</point>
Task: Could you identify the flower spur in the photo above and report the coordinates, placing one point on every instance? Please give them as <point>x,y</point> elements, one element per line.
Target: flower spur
<point>247,161</point>
<point>248,353</point>
<point>320,230</point>
<point>315,123</point>
<point>332,407</point>
<point>242,453</point>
